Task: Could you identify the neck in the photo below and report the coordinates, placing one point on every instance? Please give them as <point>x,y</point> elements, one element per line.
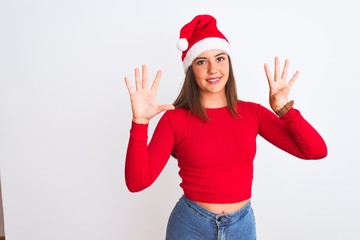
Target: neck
<point>213,100</point>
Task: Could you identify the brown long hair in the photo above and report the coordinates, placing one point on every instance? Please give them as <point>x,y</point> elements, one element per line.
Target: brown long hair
<point>189,94</point>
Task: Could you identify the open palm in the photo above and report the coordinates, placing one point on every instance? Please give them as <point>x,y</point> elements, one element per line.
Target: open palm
<point>279,85</point>
<point>143,100</point>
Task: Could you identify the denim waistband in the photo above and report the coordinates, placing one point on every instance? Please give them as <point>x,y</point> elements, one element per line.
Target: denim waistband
<point>214,217</point>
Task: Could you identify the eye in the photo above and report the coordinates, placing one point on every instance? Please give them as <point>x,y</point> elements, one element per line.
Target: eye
<point>200,62</point>
<point>220,59</point>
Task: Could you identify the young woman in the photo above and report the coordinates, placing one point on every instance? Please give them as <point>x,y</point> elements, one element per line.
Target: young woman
<point>213,136</point>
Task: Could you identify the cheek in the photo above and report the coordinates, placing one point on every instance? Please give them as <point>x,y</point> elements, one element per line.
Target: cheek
<point>199,73</point>
<point>226,74</point>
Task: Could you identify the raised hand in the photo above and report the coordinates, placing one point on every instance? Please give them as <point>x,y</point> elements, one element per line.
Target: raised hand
<point>279,86</point>
<point>143,100</point>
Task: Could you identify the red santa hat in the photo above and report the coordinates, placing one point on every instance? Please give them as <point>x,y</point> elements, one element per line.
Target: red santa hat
<point>199,35</point>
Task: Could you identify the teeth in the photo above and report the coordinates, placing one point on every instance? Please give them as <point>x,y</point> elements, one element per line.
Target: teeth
<point>213,80</point>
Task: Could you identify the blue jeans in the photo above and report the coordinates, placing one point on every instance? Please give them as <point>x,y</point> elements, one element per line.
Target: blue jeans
<point>190,221</point>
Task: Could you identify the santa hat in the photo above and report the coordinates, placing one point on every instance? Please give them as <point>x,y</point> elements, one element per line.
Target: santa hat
<point>199,35</point>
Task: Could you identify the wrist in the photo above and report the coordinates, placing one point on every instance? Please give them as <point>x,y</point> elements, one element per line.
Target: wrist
<point>281,112</point>
<point>140,120</point>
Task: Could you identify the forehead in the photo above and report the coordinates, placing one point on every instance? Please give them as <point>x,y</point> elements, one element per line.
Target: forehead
<point>211,53</point>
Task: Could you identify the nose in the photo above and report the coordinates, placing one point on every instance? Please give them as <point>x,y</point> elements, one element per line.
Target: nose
<point>211,68</point>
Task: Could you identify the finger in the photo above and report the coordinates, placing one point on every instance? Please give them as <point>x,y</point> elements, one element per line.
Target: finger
<point>128,85</point>
<point>137,79</point>
<point>144,77</point>
<point>277,69</point>
<point>268,74</point>
<point>286,69</point>
<point>293,79</point>
<point>156,82</point>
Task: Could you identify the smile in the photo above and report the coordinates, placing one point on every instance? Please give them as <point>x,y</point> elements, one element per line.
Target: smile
<point>213,80</point>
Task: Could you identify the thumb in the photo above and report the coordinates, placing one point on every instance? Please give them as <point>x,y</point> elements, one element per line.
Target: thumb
<point>165,107</point>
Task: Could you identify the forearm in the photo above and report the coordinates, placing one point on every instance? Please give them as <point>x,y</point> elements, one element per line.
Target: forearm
<point>310,144</point>
<point>293,134</point>
<point>144,162</point>
<point>137,163</point>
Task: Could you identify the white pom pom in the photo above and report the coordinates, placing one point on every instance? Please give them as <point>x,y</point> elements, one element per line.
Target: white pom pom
<point>182,44</point>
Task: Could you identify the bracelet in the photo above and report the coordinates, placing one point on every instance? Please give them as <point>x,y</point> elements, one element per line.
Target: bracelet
<point>285,109</point>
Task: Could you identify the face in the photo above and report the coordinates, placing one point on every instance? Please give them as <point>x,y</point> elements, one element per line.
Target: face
<point>211,71</point>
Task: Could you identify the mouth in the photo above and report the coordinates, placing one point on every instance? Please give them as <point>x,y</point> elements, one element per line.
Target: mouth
<point>213,80</point>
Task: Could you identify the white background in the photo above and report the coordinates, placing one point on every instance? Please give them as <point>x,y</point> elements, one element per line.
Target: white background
<point>65,113</point>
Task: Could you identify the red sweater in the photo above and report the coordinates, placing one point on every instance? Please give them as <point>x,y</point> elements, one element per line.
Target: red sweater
<point>216,157</point>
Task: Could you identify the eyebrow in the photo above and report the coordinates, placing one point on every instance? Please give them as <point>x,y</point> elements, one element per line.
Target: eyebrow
<point>222,53</point>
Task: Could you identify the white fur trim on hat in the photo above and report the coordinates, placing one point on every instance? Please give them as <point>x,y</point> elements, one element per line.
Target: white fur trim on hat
<point>203,45</point>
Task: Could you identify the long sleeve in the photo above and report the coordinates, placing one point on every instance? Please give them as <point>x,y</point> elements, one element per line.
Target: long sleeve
<point>292,133</point>
<point>144,162</point>
<point>224,147</point>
